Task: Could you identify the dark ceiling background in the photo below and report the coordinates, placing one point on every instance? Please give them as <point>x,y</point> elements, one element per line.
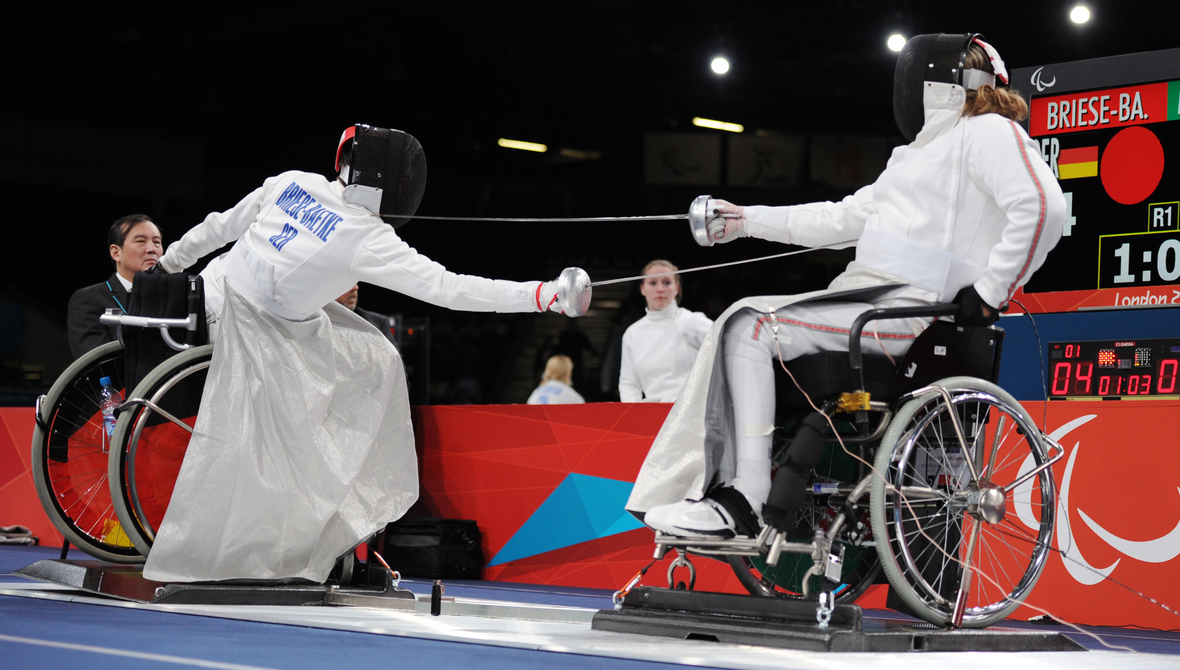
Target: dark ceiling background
<point>227,93</point>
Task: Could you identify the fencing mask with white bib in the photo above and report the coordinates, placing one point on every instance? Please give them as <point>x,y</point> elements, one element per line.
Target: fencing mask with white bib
<point>937,62</point>
<point>384,171</point>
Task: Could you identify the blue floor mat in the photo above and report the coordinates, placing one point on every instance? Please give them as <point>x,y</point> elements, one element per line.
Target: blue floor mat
<point>13,558</point>
<point>105,635</point>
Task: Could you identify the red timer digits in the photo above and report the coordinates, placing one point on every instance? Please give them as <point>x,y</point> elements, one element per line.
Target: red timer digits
<point>1114,369</point>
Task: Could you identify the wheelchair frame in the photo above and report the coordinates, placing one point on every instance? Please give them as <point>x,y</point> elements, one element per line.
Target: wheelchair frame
<point>67,419</point>
<point>918,552</point>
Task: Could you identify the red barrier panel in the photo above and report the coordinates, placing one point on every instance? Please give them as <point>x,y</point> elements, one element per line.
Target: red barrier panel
<point>18,498</point>
<point>555,465</point>
<point>1118,513</point>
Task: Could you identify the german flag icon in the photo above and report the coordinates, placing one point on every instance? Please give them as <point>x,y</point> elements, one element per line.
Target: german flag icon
<point>1076,163</point>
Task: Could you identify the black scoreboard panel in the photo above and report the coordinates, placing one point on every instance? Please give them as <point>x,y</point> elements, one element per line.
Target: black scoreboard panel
<point>1112,245</point>
<point>1114,369</point>
<point>1107,127</point>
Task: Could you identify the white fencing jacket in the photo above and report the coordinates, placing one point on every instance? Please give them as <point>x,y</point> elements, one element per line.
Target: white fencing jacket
<point>300,246</point>
<point>976,205</point>
<point>658,351</point>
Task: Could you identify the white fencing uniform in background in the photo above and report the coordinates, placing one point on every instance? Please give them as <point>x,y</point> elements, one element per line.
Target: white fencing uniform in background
<point>658,351</point>
<point>554,392</point>
<point>303,445</point>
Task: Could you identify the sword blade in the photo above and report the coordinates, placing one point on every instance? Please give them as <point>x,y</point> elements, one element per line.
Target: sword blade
<point>606,282</point>
<point>560,219</point>
<point>565,219</point>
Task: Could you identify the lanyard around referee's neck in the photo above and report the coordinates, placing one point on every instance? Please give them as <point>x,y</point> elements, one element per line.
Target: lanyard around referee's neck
<point>112,290</point>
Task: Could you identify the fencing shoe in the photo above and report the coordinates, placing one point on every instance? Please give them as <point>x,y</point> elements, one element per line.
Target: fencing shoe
<point>724,512</point>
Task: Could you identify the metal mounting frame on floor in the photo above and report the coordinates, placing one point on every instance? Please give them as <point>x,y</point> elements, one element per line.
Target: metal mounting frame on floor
<point>126,582</point>
<point>792,624</point>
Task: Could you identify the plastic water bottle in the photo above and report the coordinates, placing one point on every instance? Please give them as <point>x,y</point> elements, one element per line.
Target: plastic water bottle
<point>109,399</point>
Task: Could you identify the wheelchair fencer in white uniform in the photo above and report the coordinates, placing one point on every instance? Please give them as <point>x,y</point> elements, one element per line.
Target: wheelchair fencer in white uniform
<point>966,213</point>
<point>303,446</point>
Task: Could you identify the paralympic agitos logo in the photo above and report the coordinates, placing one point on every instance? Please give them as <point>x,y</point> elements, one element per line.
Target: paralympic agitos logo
<point>1039,81</point>
<point>1159,550</point>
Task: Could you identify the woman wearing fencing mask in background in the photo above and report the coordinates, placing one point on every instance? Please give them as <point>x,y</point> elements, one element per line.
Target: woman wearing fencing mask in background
<point>303,447</point>
<point>966,213</point>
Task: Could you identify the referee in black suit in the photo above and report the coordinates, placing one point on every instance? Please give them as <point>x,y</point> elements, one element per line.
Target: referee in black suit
<point>135,244</point>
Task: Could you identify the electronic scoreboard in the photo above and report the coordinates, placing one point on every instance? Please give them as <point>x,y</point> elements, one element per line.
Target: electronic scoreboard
<point>1114,369</point>
<point>1106,128</point>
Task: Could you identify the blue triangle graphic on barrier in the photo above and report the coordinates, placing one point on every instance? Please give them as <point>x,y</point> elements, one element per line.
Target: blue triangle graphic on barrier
<point>580,509</point>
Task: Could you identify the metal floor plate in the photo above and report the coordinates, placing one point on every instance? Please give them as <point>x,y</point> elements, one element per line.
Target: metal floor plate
<point>791,624</point>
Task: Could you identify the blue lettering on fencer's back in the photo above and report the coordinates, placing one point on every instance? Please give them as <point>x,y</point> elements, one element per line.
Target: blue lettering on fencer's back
<point>310,214</point>
<point>288,234</point>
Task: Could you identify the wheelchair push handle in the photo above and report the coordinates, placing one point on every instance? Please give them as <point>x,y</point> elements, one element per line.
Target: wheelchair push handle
<point>114,317</point>
<point>855,357</point>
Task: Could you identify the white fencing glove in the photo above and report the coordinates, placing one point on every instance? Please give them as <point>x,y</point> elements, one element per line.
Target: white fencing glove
<point>547,297</point>
<point>722,229</point>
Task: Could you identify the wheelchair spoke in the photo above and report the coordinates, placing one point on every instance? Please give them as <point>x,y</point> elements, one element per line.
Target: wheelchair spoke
<point>1013,457</point>
<point>90,493</point>
<point>104,515</point>
<point>965,579</point>
<point>1013,556</point>
<point>997,565</point>
<point>98,480</point>
<point>74,476</point>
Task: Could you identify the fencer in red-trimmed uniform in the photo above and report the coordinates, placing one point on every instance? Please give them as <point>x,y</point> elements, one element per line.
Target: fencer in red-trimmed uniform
<point>966,213</point>
<point>303,446</point>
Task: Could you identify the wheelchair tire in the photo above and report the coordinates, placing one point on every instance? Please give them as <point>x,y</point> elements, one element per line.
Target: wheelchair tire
<point>148,448</point>
<point>69,458</point>
<point>923,536</point>
<point>861,566</point>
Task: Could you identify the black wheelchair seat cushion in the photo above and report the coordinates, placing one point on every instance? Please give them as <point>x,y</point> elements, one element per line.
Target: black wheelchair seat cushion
<point>167,296</point>
<point>949,350</point>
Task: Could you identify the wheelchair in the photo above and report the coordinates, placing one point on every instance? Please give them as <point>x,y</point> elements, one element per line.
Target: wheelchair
<point>933,476</point>
<point>108,495</point>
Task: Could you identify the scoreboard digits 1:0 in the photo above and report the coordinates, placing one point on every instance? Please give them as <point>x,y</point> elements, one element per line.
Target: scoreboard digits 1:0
<point>1114,369</point>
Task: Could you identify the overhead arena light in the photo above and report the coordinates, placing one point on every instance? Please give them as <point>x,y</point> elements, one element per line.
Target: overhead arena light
<point>1080,14</point>
<point>523,146</point>
<point>717,125</point>
<point>895,42</point>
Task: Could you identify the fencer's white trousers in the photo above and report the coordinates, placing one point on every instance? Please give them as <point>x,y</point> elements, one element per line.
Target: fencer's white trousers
<point>754,340</point>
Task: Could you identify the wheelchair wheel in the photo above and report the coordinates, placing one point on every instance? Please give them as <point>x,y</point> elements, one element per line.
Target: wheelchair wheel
<point>150,442</point>
<point>943,518</point>
<point>69,458</point>
<point>861,566</point>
